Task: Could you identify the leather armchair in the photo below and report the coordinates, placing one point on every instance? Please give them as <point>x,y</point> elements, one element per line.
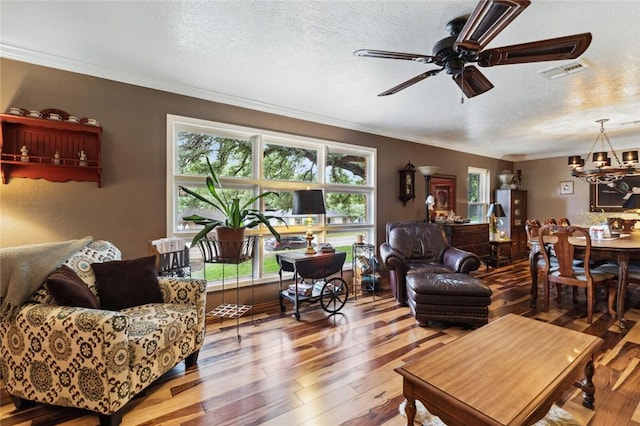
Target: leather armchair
<point>417,247</point>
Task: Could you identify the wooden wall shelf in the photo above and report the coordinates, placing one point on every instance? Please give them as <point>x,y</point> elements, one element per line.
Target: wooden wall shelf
<point>43,138</point>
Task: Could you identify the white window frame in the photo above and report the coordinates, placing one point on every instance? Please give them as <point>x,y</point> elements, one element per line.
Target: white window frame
<point>484,190</point>
<point>262,137</point>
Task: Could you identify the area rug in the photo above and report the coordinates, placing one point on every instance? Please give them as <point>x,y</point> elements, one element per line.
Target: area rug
<point>555,417</point>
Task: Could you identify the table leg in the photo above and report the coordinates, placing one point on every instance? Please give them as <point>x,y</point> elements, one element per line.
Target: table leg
<point>410,401</point>
<point>280,296</point>
<point>410,411</point>
<point>587,386</point>
<point>621,291</point>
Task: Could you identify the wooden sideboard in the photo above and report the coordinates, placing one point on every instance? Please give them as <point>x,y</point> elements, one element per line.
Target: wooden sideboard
<point>473,237</point>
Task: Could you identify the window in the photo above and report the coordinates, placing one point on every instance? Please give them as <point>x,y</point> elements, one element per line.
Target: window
<point>251,161</point>
<point>478,197</point>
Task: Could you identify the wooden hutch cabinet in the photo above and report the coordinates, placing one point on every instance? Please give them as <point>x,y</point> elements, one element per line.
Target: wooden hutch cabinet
<point>54,148</point>
<point>473,237</point>
<point>514,203</point>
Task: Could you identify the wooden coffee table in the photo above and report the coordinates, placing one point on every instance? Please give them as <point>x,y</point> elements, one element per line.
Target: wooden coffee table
<point>509,372</point>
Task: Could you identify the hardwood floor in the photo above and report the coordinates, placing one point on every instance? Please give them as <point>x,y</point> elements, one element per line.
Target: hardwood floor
<point>339,370</point>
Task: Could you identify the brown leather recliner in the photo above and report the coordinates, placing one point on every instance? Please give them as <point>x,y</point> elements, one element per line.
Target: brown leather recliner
<point>420,247</point>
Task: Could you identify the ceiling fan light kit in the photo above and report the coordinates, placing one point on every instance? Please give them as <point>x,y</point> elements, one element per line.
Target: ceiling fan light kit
<point>466,43</point>
<point>603,171</point>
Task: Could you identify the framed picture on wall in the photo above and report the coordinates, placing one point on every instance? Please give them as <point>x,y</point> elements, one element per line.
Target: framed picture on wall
<point>566,188</point>
<point>611,197</point>
<point>443,189</point>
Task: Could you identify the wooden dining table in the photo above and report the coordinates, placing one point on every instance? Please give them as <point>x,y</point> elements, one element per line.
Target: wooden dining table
<point>619,250</point>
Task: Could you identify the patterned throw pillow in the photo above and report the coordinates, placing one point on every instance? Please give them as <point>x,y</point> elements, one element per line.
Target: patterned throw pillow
<point>127,283</point>
<point>67,289</point>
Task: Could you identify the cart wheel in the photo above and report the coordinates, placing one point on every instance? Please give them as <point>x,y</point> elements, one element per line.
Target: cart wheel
<point>334,295</point>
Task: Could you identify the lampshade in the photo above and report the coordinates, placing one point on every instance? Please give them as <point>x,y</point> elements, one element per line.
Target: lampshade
<point>632,202</point>
<point>428,170</point>
<point>309,201</point>
<point>630,157</point>
<point>600,157</point>
<point>575,160</point>
<point>496,209</point>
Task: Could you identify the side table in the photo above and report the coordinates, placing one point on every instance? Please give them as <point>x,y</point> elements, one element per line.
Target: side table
<point>312,281</point>
<point>499,253</point>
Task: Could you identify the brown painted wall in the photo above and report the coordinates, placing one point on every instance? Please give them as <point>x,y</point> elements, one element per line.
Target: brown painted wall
<point>129,209</point>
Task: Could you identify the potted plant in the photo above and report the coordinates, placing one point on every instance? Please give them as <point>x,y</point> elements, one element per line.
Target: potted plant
<point>237,215</point>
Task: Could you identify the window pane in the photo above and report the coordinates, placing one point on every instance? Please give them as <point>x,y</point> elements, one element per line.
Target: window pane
<point>345,207</point>
<point>188,205</point>
<point>280,204</point>
<point>228,156</point>
<point>476,212</point>
<point>474,187</point>
<point>290,163</point>
<point>218,271</point>
<point>343,241</point>
<point>346,169</point>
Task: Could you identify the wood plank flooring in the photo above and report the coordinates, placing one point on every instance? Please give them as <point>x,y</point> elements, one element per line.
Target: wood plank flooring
<point>339,370</point>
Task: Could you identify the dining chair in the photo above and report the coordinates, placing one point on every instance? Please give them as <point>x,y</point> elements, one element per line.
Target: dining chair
<point>550,221</point>
<point>563,221</point>
<point>567,273</point>
<point>532,228</point>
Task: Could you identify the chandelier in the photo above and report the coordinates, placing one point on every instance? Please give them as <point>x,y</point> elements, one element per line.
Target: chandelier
<point>603,171</point>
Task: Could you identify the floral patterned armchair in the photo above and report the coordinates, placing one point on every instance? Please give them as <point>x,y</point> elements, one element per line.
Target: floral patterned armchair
<point>98,359</point>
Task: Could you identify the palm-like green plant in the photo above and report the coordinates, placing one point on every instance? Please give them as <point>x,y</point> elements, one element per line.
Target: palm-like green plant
<point>236,215</point>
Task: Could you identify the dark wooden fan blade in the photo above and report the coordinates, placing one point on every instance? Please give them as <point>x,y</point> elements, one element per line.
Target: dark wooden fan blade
<point>487,20</point>
<point>395,55</point>
<point>568,47</point>
<point>472,82</point>
<point>410,82</point>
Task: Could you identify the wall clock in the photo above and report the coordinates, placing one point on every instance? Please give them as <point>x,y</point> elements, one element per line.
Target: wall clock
<point>407,183</point>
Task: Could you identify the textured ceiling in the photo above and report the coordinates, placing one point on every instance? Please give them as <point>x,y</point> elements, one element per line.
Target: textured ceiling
<point>295,58</point>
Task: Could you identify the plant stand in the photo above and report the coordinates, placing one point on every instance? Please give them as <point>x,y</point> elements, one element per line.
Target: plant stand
<point>365,269</point>
<point>214,251</point>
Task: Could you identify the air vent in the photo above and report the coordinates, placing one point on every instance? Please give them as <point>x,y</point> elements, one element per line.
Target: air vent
<point>563,70</point>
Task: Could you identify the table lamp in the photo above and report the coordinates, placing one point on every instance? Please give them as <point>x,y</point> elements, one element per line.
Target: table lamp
<point>308,202</point>
<point>495,211</point>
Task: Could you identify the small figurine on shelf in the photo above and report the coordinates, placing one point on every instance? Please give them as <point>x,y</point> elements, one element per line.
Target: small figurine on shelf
<point>83,158</point>
<point>25,154</point>
<point>56,158</point>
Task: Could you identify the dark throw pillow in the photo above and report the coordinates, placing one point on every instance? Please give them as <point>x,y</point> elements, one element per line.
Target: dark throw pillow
<point>126,283</point>
<point>68,289</point>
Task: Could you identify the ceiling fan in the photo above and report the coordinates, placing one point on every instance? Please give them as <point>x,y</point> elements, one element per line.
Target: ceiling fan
<point>469,36</point>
